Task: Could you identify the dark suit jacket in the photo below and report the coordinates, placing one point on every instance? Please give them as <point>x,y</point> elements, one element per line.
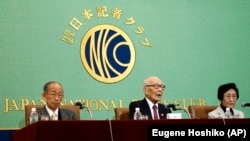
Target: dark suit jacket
<point>145,109</point>
<point>63,114</point>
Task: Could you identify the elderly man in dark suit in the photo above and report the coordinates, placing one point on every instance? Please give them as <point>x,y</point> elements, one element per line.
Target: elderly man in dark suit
<point>153,89</point>
<point>53,94</point>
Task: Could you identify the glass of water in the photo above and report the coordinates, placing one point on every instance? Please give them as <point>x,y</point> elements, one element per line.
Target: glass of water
<point>44,117</point>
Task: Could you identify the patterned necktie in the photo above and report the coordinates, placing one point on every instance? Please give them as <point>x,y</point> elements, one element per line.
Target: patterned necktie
<point>155,112</point>
<point>53,116</point>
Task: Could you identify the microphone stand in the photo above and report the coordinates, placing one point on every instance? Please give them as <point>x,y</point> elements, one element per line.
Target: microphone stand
<point>90,113</point>
<point>186,111</point>
<point>83,106</point>
<point>173,106</point>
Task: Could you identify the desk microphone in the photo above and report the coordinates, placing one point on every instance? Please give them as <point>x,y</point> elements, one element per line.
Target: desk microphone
<point>243,105</point>
<point>82,105</point>
<point>173,106</point>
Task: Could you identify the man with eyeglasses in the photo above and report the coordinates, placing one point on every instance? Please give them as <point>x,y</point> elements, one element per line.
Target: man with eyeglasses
<point>153,89</point>
<point>53,94</point>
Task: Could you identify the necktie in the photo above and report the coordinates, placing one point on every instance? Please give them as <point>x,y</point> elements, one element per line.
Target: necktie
<point>155,112</point>
<point>53,116</point>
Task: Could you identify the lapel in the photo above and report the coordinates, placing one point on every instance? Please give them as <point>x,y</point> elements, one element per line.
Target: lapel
<point>219,112</point>
<point>161,110</point>
<point>61,114</point>
<point>145,108</point>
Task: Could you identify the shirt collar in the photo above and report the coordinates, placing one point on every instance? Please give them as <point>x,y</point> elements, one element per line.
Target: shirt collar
<point>150,103</point>
<point>224,109</point>
<point>50,111</point>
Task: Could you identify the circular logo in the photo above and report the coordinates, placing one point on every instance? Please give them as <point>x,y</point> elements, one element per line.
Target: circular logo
<point>107,53</point>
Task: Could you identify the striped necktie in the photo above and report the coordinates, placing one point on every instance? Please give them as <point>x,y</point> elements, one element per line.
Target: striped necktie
<point>53,116</point>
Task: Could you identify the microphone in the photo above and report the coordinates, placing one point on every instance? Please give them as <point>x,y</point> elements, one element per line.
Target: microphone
<point>173,106</point>
<point>82,105</point>
<point>243,105</point>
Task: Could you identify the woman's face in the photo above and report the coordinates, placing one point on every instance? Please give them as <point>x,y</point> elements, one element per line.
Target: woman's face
<point>229,98</point>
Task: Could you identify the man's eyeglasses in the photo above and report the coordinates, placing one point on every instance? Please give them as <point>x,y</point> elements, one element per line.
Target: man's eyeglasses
<point>54,94</point>
<point>157,86</point>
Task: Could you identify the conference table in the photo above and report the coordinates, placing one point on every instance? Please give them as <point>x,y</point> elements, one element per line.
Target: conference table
<point>124,130</point>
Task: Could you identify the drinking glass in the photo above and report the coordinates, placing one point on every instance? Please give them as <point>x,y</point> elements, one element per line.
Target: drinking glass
<point>44,117</point>
<point>144,117</point>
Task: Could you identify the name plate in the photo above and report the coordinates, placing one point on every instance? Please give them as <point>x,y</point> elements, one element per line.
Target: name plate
<point>174,116</point>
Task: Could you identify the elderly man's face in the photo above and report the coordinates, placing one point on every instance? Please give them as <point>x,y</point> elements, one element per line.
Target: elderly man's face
<point>53,95</point>
<point>154,89</point>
